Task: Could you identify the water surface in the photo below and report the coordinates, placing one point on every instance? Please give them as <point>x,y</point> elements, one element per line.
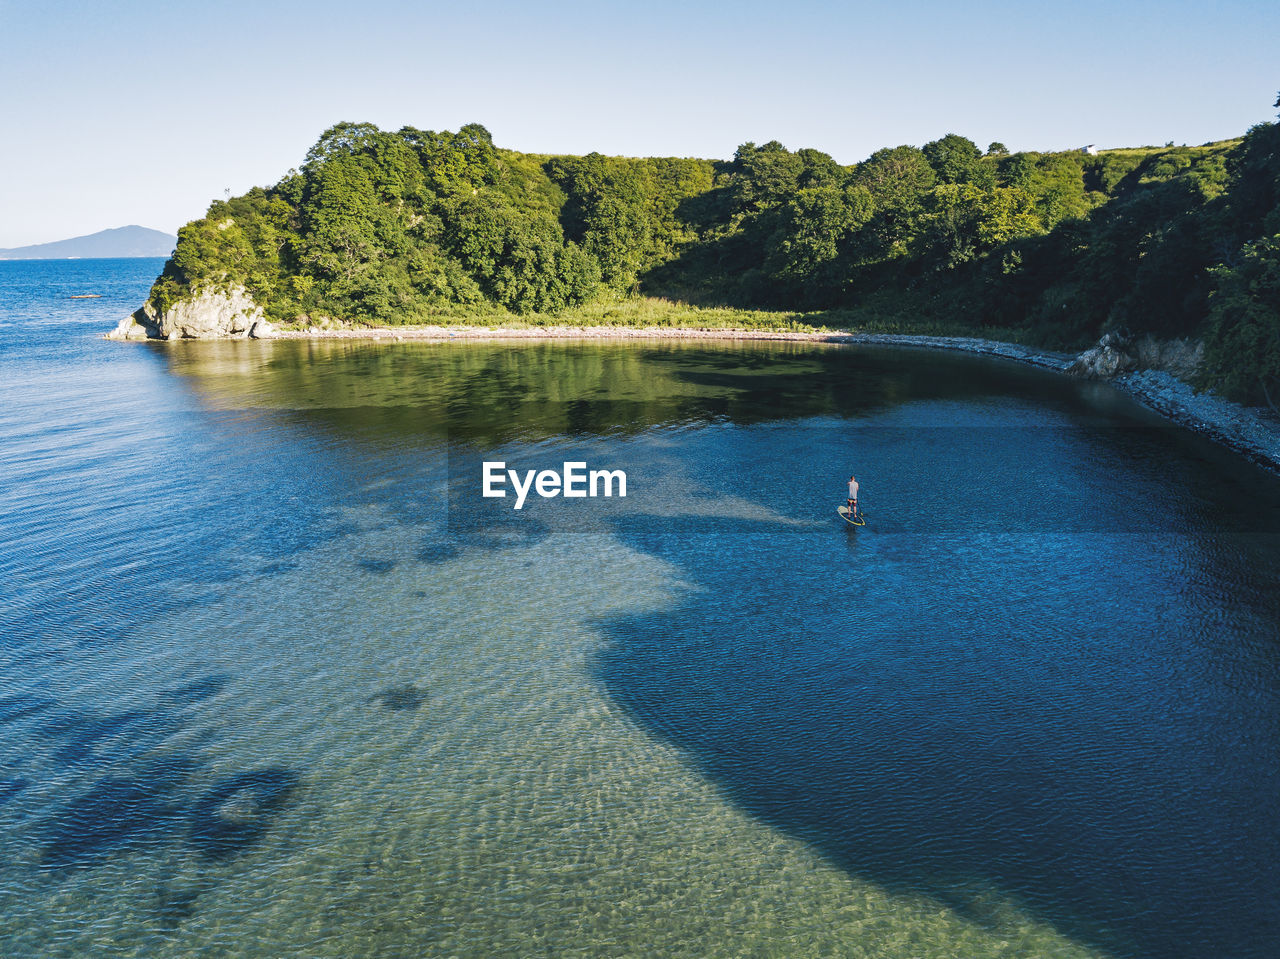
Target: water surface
<point>278,682</point>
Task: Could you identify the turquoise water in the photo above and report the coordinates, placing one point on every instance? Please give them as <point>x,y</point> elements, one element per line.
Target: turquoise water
<point>278,682</point>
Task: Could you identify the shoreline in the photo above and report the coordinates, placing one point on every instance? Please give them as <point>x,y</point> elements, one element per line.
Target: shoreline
<point>606,332</point>
<point>1252,433</point>
<point>1046,359</point>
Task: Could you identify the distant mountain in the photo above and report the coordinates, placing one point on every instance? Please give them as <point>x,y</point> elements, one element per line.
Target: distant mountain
<point>122,241</point>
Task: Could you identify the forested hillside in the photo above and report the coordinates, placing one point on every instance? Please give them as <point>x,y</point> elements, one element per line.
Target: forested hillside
<point>404,227</point>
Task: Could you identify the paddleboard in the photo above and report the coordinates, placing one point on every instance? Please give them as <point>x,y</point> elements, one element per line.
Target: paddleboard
<point>859,520</point>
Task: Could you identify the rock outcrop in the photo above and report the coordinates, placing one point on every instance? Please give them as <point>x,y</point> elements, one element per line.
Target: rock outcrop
<point>1110,357</point>
<point>1181,357</point>
<point>1116,354</point>
<point>209,315</point>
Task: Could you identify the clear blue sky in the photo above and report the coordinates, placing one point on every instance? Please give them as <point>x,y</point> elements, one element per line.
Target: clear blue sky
<point>116,113</point>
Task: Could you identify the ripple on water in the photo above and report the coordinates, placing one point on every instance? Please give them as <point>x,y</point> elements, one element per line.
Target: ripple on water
<point>237,812</point>
<point>263,697</point>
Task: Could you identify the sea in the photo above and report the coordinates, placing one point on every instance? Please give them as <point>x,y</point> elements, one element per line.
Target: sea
<point>279,680</point>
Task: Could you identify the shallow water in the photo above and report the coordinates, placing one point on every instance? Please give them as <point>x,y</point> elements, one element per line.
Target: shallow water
<point>278,682</point>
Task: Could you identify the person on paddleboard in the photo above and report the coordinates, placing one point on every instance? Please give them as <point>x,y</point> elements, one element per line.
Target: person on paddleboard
<point>853,496</point>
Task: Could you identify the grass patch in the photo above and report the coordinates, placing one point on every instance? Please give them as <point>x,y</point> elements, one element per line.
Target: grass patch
<point>658,313</point>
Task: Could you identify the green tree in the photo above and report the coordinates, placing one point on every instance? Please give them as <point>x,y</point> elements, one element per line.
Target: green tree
<point>1242,348</point>
<point>812,233</point>
<point>608,212</point>
<point>392,227</point>
<point>764,176</point>
<point>955,159</point>
<point>897,179</point>
<point>963,221</point>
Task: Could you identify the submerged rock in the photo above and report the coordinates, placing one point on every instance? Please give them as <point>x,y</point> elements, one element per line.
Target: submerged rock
<point>10,788</point>
<point>396,698</point>
<point>237,812</point>
<point>197,691</point>
<point>13,708</point>
<point>175,903</point>
<point>117,811</point>
<point>210,314</point>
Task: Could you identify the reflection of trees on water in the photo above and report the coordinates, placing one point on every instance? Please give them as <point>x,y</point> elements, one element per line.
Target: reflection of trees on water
<point>494,392</point>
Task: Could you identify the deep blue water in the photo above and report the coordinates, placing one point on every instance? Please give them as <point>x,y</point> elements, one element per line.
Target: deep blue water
<point>278,682</point>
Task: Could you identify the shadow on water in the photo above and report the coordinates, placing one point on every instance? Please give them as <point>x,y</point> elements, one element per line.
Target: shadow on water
<point>936,749</point>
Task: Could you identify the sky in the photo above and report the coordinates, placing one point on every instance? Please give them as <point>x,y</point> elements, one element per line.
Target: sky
<point>115,113</point>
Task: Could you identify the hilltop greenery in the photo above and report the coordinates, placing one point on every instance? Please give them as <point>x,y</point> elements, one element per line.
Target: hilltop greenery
<point>1054,248</point>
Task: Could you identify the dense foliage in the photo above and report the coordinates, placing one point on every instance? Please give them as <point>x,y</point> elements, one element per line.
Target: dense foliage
<point>399,227</point>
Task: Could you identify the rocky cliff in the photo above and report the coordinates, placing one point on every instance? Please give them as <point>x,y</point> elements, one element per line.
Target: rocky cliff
<point>210,314</point>
<point>1117,354</point>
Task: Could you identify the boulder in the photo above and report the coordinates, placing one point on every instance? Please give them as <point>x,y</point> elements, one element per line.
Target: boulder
<point>138,325</point>
<point>209,315</point>
<point>1110,357</point>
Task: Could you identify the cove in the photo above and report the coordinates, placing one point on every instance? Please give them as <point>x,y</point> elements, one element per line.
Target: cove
<point>271,691</point>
